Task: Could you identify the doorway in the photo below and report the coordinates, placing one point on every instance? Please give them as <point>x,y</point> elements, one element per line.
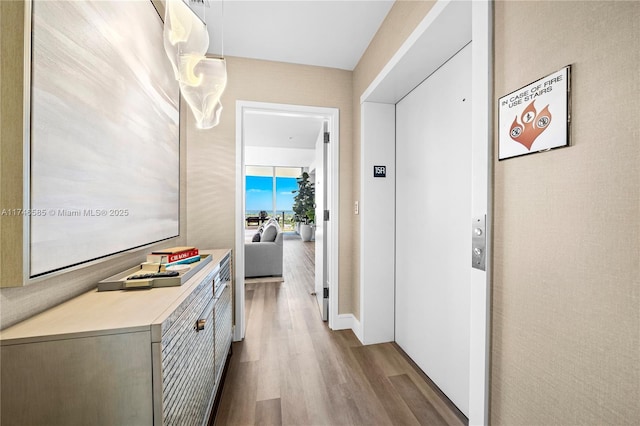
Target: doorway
<point>328,264</point>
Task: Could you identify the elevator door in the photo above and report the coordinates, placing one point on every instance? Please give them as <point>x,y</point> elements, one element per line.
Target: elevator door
<point>433,220</point>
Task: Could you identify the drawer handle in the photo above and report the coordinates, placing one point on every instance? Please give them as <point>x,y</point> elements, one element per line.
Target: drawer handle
<point>200,325</point>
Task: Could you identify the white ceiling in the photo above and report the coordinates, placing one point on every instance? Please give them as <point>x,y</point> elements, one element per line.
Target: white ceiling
<point>328,33</point>
<point>281,130</point>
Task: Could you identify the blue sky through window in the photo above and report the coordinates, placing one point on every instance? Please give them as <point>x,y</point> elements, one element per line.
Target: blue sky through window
<point>259,190</point>
<point>284,196</point>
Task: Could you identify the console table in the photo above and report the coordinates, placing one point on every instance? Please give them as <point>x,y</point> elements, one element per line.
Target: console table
<point>143,357</point>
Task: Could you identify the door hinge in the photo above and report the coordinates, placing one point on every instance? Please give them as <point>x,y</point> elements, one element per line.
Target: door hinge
<point>326,215</point>
<point>326,137</point>
<point>325,293</point>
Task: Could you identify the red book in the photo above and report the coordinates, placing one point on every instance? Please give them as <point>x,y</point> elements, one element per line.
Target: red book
<point>171,255</point>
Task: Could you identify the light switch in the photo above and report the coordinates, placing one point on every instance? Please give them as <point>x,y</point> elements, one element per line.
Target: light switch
<point>356,208</point>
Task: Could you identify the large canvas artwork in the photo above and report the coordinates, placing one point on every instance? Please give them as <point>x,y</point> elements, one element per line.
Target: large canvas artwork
<point>104,142</point>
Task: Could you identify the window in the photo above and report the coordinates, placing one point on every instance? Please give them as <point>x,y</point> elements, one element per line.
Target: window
<point>269,189</point>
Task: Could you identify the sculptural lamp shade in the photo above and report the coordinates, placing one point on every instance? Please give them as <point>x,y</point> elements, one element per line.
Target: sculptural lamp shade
<point>202,79</point>
<point>202,82</point>
<point>184,33</point>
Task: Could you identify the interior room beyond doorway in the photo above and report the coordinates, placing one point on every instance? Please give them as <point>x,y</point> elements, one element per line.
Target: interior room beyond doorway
<point>271,135</point>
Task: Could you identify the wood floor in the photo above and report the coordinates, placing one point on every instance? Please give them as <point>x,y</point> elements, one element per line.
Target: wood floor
<point>291,369</point>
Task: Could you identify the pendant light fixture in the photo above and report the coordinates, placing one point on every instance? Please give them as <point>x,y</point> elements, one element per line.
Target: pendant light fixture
<point>202,79</point>
<point>202,82</point>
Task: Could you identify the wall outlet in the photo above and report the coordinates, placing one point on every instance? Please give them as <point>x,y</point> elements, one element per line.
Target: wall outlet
<point>356,208</point>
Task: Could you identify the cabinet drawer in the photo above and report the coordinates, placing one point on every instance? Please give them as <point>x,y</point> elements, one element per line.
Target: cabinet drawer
<point>224,274</point>
<point>188,376</point>
<point>205,286</point>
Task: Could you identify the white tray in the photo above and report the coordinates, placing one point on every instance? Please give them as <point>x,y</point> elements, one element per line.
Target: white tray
<point>120,282</point>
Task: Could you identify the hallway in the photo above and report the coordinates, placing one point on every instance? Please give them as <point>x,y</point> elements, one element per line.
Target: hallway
<point>291,369</point>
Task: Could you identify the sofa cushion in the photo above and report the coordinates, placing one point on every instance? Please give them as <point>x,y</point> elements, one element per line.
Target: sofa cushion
<point>256,238</point>
<point>269,234</point>
<point>272,221</point>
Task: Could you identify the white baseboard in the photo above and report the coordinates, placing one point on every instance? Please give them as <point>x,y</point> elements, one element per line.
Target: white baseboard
<point>343,322</point>
<point>346,322</point>
<point>357,329</point>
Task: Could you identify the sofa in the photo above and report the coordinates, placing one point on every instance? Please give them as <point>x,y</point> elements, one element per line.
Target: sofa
<point>263,256</point>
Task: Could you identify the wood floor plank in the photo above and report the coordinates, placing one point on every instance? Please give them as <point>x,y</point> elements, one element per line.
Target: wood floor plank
<point>269,412</point>
<point>331,360</point>
<point>391,364</point>
<point>421,408</point>
<point>268,385</point>
<point>357,387</point>
<point>316,393</point>
<point>369,409</point>
<point>241,396</point>
<point>445,407</point>
<point>251,350</point>
<point>387,396</point>
<point>283,321</point>
<point>293,403</point>
<point>226,399</point>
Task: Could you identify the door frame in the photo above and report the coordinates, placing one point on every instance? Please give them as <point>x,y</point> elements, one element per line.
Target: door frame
<point>332,116</point>
<point>429,46</point>
<point>320,278</point>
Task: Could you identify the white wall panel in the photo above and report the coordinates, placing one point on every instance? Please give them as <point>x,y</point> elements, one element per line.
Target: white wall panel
<point>377,223</point>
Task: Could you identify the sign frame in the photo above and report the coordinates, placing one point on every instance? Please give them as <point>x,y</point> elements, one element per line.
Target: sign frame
<point>526,128</point>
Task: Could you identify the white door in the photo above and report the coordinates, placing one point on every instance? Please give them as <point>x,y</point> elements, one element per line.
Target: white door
<point>321,204</point>
<point>433,220</point>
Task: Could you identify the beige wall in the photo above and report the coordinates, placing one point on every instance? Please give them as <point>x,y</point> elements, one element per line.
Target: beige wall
<point>211,160</point>
<point>11,105</point>
<point>400,22</point>
<point>567,224</point>
<point>19,303</point>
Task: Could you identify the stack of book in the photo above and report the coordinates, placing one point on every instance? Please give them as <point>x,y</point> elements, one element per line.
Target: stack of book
<point>174,256</point>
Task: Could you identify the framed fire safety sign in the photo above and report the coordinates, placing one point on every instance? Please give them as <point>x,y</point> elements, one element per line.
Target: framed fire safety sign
<point>536,117</point>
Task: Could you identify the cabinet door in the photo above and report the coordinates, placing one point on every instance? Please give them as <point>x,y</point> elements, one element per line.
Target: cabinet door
<point>96,380</point>
<point>188,376</point>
